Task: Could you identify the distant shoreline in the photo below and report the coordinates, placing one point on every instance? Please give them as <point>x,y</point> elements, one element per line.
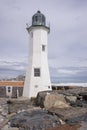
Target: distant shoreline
<point>70,84</point>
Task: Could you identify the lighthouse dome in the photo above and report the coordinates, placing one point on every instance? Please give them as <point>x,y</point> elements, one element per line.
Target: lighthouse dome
<point>38,19</point>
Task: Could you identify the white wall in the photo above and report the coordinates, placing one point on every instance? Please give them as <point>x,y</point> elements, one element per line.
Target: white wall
<point>9,91</point>
<point>37,59</point>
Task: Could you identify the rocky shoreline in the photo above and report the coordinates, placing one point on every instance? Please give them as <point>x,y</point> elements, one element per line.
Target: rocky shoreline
<point>54,110</point>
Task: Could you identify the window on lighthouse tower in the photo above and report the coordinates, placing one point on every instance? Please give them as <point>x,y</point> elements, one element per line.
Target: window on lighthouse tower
<point>43,47</point>
<point>36,72</point>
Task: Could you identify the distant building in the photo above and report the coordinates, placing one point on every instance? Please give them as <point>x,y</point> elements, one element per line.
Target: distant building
<point>12,89</point>
<point>37,75</point>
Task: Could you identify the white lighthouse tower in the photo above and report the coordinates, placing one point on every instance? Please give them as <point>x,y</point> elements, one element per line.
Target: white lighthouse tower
<point>37,75</point>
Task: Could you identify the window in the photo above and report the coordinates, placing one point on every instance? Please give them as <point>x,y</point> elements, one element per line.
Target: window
<point>37,72</point>
<point>43,47</point>
<point>9,89</point>
<point>36,18</point>
<point>48,86</point>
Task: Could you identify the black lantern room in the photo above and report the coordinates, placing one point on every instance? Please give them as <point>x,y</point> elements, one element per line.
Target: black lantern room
<point>38,19</point>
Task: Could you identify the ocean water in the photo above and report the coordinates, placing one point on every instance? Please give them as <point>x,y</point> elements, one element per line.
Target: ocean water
<point>69,79</point>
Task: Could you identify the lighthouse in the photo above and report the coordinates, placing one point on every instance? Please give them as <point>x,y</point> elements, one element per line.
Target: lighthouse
<point>37,75</point>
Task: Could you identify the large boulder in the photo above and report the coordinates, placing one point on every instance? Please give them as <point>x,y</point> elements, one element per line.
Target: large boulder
<point>49,100</point>
<point>55,101</point>
<point>71,98</point>
<point>40,98</point>
<point>71,115</point>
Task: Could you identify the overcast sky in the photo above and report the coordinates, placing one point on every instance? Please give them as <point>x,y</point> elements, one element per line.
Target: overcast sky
<point>67,39</point>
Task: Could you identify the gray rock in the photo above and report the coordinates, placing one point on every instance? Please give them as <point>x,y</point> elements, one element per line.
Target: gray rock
<point>77,119</point>
<point>71,98</point>
<point>15,105</point>
<point>1,119</point>
<point>6,127</point>
<point>71,115</point>
<point>79,103</point>
<point>83,126</point>
<point>84,95</point>
<point>35,120</point>
<point>40,98</point>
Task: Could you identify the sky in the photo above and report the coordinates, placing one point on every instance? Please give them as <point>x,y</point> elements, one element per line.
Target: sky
<point>67,41</point>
